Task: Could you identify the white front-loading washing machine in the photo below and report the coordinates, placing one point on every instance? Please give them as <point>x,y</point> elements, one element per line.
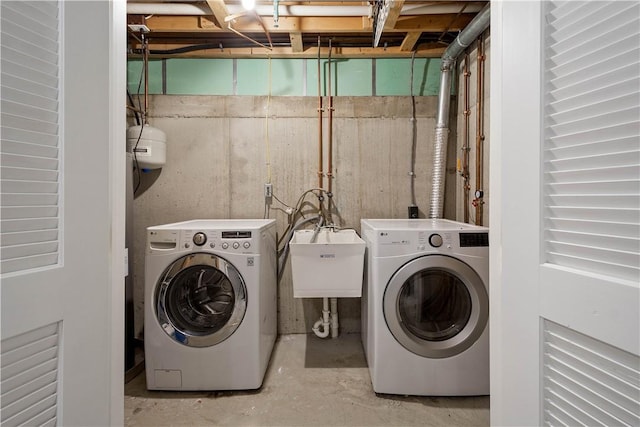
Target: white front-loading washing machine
<point>210,304</point>
<point>425,307</point>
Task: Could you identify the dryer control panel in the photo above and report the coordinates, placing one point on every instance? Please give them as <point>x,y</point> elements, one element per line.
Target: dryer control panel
<point>384,243</point>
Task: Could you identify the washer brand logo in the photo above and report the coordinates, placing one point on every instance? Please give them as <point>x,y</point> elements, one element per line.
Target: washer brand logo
<point>327,255</point>
<point>250,261</point>
<point>384,234</point>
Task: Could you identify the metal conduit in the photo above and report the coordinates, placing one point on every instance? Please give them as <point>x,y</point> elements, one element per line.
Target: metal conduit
<point>464,39</point>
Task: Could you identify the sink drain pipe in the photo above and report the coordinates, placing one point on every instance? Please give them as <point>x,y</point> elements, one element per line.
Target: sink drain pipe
<point>464,39</point>
<point>321,327</point>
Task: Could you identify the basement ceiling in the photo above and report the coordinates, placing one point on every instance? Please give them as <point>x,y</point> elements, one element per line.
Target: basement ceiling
<point>282,29</point>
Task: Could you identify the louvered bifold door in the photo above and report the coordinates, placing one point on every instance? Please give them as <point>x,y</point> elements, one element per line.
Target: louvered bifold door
<point>592,148</point>
<point>591,212</point>
<point>30,215</point>
<point>29,380</point>
<point>30,131</point>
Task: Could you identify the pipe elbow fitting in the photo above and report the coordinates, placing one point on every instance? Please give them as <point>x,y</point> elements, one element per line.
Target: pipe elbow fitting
<point>325,328</point>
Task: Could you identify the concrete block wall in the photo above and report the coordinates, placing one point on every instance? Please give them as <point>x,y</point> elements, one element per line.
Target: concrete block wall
<point>216,168</point>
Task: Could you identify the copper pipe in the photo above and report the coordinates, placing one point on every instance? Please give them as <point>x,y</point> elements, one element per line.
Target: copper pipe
<point>465,145</point>
<point>145,46</point>
<point>480,133</point>
<point>330,130</point>
<point>320,110</point>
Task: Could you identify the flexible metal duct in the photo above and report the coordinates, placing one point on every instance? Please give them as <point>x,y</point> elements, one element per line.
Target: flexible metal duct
<point>464,39</point>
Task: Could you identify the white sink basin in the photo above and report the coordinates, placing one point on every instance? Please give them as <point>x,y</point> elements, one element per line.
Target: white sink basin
<point>330,267</point>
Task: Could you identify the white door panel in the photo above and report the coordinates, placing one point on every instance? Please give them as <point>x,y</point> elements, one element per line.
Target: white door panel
<point>597,306</point>
<point>565,256</point>
<point>62,289</point>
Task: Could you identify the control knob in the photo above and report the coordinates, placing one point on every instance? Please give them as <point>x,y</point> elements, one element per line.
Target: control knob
<point>199,238</point>
<point>435,240</point>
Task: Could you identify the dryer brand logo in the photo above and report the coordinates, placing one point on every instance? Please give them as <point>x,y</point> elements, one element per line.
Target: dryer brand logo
<point>327,255</point>
<point>250,261</point>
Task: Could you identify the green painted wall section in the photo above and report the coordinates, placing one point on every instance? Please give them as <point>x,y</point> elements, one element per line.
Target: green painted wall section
<point>393,76</point>
<point>352,77</point>
<point>349,77</point>
<point>288,77</point>
<point>199,77</point>
<point>135,77</point>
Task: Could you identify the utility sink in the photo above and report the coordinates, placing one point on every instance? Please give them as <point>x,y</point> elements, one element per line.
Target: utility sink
<point>327,264</point>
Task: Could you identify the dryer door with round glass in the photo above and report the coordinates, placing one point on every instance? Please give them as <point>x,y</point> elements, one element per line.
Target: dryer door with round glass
<point>436,306</point>
<point>200,299</point>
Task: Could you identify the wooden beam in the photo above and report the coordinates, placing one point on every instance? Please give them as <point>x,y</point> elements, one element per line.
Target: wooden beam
<point>410,41</point>
<point>426,51</point>
<point>219,9</point>
<point>296,42</point>
<point>433,23</point>
<point>312,24</point>
<point>394,14</point>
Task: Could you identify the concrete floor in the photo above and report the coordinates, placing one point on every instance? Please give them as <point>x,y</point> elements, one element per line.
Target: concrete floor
<point>309,382</point>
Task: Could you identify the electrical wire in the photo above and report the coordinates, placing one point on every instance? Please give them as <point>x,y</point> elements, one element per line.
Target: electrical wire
<point>267,143</point>
<point>135,147</point>
<point>281,202</point>
<point>135,160</point>
<point>135,111</point>
<point>266,117</point>
<point>414,137</point>
<point>297,210</point>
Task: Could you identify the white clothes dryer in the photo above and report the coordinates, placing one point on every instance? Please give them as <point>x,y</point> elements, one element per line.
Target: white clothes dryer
<point>425,307</point>
<point>210,304</point>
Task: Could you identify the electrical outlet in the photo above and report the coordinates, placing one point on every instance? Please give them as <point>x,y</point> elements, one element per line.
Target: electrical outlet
<point>268,191</point>
<point>139,28</point>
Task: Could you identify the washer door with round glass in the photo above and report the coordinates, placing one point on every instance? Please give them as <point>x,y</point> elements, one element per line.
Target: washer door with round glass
<point>436,306</point>
<point>201,300</point>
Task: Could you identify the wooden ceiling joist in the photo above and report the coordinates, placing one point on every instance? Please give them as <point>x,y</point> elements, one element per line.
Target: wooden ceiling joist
<point>309,24</point>
<point>410,41</point>
<point>219,9</point>
<point>297,45</point>
<point>421,26</point>
<point>394,14</point>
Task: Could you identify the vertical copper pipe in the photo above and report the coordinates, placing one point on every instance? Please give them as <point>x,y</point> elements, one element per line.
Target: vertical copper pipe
<point>320,165</point>
<point>465,145</point>
<point>145,47</point>
<point>330,130</point>
<point>480,132</point>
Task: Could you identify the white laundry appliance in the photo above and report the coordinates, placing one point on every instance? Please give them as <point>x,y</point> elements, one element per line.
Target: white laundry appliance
<point>425,307</point>
<point>210,304</point>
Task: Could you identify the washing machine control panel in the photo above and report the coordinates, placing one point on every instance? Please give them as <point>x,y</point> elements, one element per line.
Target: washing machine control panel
<point>236,241</point>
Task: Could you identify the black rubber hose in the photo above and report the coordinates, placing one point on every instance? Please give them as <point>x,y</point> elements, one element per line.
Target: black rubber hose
<point>133,105</point>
